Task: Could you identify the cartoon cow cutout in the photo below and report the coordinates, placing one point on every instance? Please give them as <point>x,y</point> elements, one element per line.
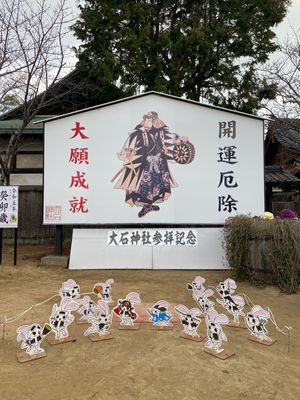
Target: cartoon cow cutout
<point>256,321</point>
<point>201,297</point>
<point>189,319</point>
<point>70,289</point>
<point>86,308</point>
<point>32,336</point>
<point>61,317</point>
<point>232,303</point>
<point>100,321</point>
<point>215,333</point>
<point>103,290</point>
<point>197,284</point>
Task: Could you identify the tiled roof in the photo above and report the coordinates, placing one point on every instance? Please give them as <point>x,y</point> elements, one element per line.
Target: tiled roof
<point>8,126</point>
<point>287,132</point>
<point>275,173</point>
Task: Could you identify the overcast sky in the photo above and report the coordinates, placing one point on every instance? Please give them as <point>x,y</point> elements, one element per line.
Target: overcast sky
<point>292,20</point>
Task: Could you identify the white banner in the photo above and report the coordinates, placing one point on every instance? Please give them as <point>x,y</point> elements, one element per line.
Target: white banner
<point>207,254</point>
<point>9,206</point>
<point>152,237</point>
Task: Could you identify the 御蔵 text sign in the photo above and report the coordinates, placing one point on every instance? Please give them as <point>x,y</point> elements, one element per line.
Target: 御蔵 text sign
<point>9,206</point>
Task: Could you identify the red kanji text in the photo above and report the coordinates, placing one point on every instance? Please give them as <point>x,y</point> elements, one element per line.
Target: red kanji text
<point>79,180</point>
<point>78,131</point>
<point>78,205</point>
<point>79,155</point>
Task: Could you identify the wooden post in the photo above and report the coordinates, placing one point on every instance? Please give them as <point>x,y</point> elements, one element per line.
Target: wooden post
<point>1,245</point>
<point>58,240</point>
<point>15,245</point>
<point>268,197</point>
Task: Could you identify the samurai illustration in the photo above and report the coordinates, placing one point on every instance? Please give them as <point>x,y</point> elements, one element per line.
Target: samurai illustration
<point>145,175</point>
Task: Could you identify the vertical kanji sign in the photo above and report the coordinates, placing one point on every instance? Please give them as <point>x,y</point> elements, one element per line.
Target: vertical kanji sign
<point>227,155</point>
<point>9,206</point>
<point>78,181</point>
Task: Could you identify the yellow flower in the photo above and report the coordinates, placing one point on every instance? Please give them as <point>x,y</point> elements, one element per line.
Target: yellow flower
<point>267,215</point>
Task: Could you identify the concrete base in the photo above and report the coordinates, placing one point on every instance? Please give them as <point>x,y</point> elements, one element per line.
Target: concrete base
<point>57,261</point>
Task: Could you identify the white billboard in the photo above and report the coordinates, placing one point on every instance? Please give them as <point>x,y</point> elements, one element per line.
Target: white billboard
<point>152,159</point>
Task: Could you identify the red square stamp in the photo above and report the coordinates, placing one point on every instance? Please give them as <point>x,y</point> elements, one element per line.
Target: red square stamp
<point>53,213</point>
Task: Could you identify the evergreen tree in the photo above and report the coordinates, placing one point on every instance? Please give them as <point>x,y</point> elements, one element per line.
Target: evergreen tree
<point>193,48</point>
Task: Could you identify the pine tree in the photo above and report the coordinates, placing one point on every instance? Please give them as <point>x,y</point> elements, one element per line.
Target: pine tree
<point>193,48</point>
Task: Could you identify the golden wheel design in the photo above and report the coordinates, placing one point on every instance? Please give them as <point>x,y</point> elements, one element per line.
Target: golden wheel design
<point>184,152</point>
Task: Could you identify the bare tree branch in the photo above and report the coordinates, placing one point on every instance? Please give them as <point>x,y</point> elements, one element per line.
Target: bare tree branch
<point>33,58</point>
<point>284,75</point>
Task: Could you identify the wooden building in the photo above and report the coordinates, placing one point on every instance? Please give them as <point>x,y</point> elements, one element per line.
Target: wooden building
<point>274,176</point>
<point>73,92</point>
<point>282,145</point>
<point>282,164</point>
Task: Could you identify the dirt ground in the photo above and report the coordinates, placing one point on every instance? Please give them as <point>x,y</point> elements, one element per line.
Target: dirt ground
<point>141,364</point>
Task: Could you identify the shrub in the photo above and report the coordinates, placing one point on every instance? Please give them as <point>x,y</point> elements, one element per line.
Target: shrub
<point>279,240</point>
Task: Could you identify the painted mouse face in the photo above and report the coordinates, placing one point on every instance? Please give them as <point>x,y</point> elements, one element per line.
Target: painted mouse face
<point>107,289</point>
<point>188,320</point>
<point>90,305</point>
<point>60,316</point>
<point>194,286</point>
<point>214,330</point>
<point>252,320</point>
<point>221,289</point>
<point>230,305</point>
<point>35,331</point>
<point>89,308</point>
<point>103,319</point>
<point>75,292</point>
<point>126,305</point>
<point>202,301</point>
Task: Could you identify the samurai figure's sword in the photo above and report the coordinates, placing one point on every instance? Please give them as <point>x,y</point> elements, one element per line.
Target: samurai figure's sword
<point>122,169</point>
<point>117,174</point>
